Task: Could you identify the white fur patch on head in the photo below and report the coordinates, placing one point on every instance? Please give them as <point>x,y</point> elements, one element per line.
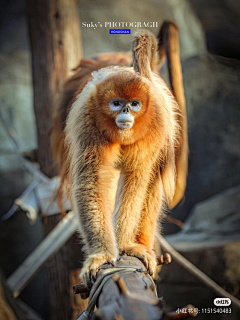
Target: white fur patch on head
<point>105,73</point>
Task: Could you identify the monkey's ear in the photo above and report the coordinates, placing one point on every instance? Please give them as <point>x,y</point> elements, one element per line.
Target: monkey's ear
<point>145,53</point>
<point>168,172</point>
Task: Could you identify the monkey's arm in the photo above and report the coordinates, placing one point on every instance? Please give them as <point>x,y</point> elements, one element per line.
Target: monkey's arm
<point>132,197</point>
<point>90,172</point>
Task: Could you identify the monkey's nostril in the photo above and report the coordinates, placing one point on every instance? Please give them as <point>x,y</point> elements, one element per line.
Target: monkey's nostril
<point>126,110</point>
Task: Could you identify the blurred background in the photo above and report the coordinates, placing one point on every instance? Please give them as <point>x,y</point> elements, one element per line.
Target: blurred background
<point>210,51</point>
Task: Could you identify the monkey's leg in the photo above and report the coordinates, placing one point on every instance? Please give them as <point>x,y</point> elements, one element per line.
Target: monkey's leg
<point>93,199</point>
<point>143,246</point>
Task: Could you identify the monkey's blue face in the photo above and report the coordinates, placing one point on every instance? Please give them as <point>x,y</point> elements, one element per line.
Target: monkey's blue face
<point>123,108</point>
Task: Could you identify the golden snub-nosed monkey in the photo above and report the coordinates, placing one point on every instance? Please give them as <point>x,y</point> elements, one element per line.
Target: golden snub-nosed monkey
<point>116,136</point>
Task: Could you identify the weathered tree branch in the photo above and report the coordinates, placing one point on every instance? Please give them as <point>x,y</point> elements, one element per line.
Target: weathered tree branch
<point>126,292</point>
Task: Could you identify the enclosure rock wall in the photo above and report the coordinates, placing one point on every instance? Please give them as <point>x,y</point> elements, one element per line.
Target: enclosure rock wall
<point>212,98</point>
<point>221,24</point>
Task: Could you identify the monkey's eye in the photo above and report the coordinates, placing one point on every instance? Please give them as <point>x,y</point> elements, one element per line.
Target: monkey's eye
<point>115,105</point>
<point>135,103</point>
<point>135,106</point>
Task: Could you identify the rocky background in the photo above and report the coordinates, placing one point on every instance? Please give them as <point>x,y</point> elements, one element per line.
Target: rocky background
<point>210,52</point>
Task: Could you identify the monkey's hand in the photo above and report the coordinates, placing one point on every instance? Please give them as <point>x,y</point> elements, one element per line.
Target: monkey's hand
<point>92,265</point>
<point>146,255</point>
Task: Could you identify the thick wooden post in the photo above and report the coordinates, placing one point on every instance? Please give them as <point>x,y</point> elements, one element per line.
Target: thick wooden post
<point>55,42</point>
<point>56,49</point>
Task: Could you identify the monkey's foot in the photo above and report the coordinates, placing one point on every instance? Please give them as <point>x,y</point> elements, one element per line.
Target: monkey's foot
<point>146,255</point>
<point>91,266</point>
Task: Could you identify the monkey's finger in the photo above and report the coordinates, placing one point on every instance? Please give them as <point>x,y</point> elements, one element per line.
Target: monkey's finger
<point>152,267</point>
<point>113,263</point>
<point>144,260</point>
<point>93,275</point>
<point>86,280</point>
<point>90,278</point>
<point>141,257</point>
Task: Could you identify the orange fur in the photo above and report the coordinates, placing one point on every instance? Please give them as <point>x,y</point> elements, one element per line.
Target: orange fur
<point>130,173</point>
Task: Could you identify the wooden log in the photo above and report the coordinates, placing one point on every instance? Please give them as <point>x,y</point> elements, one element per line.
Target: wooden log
<point>59,268</point>
<point>55,43</point>
<point>129,294</point>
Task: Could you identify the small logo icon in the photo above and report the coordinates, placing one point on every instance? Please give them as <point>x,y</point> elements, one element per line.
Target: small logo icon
<point>119,31</point>
<point>222,301</point>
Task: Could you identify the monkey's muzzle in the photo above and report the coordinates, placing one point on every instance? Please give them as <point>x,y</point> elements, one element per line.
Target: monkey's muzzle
<point>125,121</point>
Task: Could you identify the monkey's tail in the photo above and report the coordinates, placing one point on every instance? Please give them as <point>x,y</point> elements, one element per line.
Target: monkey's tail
<point>169,46</point>
<point>144,53</point>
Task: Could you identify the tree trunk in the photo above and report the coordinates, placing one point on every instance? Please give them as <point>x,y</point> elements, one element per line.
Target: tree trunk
<point>56,49</point>
<point>60,268</point>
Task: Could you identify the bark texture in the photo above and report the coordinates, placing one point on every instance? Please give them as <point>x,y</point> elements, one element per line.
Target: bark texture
<point>55,43</point>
